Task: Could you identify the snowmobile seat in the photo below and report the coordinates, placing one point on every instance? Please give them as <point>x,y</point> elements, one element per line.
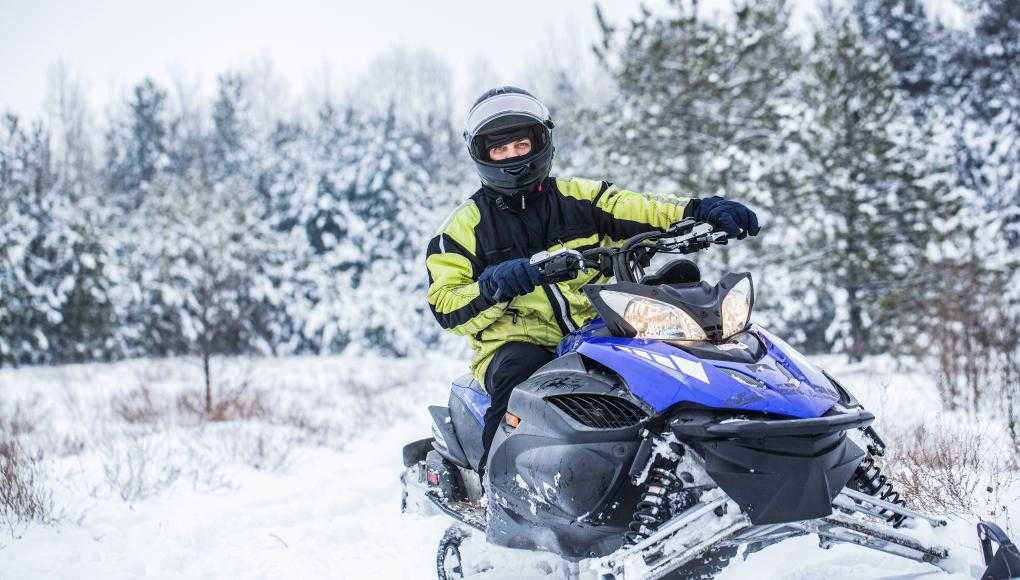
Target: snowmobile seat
<point>468,403</point>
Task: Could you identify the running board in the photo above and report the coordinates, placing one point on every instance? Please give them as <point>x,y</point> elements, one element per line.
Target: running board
<point>677,542</point>
<point>883,538</point>
<point>851,499</point>
<point>471,513</point>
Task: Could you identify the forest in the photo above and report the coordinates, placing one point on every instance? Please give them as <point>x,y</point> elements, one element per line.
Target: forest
<point>881,150</point>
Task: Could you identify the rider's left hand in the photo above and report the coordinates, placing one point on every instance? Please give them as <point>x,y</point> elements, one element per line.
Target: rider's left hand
<point>733,217</point>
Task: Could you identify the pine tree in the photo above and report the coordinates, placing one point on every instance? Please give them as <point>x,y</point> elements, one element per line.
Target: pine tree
<point>19,333</point>
<point>987,96</point>
<point>138,145</point>
<point>696,95</point>
<point>54,286</point>
<point>377,211</point>
<point>871,191</point>
<point>914,44</point>
<point>700,105</point>
<point>973,333</point>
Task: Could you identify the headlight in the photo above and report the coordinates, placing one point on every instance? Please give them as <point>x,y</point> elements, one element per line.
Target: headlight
<point>653,319</point>
<point>736,308</point>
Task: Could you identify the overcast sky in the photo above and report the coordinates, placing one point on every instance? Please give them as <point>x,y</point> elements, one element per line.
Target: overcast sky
<point>112,44</point>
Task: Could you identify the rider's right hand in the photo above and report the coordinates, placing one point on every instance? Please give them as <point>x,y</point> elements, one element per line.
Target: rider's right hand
<point>509,279</point>
<point>733,217</point>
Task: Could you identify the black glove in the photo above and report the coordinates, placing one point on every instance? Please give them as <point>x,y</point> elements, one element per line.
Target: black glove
<point>732,217</point>
<point>508,280</point>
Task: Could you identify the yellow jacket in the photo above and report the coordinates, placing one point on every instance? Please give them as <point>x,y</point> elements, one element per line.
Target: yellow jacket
<point>487,230</point>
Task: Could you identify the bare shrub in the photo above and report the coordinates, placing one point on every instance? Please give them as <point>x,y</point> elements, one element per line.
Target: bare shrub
<point>134,469</point>
<point>137,406</point>
<point>23,495</point>
<point>241,403</point>
<point>370,407</point>
<point>21,417</point>
<point>948,469</point>
<point>261,448</point>
<point>974,334</point>
<point>309,430</point>
<point>68,445</point>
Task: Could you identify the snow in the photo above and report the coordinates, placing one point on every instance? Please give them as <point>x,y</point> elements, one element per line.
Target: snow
<point>330,509</point>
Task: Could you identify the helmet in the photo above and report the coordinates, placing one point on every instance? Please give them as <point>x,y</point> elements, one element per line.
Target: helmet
<point>503,115</point>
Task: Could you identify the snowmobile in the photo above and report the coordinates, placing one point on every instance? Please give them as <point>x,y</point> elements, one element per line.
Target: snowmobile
<point>668,433</point>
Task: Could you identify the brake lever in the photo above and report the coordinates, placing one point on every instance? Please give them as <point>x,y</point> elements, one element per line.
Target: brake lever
<point>696,232</point>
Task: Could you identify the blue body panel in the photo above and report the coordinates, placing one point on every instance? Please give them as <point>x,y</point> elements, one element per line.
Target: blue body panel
<point>467,389</point>
<point>663,375</point>
<point>574,340</point>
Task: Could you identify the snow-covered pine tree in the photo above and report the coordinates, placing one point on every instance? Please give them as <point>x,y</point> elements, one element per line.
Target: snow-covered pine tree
<point>914,44</point>
<point>138,146</point>
<point>23,306</point>
<point>700,104</point>
<point>216,266</point>
<point>139,170</point>
<point>974,319</point>
<point>54,286</point>
<point>88,327</point>
<point>870,192</point>
<point>388,212</point>
<point>376,169</point>
<point>985,74</point>
<point>696,94</point>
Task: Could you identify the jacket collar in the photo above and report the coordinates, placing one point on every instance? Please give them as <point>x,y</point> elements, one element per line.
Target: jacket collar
<point>518,201</point>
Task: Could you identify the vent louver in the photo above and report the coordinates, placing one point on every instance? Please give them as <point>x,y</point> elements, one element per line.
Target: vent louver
<point>599,411</point>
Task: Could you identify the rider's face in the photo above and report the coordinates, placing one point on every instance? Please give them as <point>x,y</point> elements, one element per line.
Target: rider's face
<point>510,150</point>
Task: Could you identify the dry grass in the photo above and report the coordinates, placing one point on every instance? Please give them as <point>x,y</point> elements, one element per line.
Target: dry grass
<point>951,469</point>
<point>138,406</point>
<point>240,403</point>
<point>161,435</point>
<point>24,496</point>
<point>21,417</point>
<point>137,470</point>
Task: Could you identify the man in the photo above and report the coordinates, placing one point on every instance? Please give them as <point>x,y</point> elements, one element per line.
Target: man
<point>481,284</point>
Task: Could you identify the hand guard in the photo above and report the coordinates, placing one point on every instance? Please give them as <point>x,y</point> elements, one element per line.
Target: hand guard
<point>559,266</point>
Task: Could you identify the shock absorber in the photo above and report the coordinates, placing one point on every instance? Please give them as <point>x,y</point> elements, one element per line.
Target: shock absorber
<point>653,508</point>
<point>870,480</point>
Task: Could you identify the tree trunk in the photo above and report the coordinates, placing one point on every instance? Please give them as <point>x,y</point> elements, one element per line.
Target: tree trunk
<point>857,338</point>
<point>208,382</point>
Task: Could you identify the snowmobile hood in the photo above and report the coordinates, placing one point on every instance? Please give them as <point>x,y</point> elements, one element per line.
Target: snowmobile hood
<point>782,382</point>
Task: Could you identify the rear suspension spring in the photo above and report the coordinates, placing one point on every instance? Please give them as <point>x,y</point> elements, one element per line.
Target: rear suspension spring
<point>653,508</point>
<point>870,480</point>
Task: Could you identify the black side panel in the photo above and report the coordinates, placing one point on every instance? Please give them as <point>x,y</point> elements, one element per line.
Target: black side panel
<point>557,484</point>
<point>446,442</point>
<point>782,479</point>
<point>468,430</point>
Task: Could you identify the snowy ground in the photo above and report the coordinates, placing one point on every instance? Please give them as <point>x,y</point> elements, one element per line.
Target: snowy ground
<point>302,481</point>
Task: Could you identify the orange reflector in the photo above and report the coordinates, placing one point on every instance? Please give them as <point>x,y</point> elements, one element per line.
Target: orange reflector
<point>512,420</point>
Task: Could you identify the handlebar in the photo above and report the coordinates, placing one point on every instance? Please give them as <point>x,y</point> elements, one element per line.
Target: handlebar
<point>627,262</point>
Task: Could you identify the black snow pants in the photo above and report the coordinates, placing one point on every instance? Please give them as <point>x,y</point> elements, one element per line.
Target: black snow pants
<point>510,365</point>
